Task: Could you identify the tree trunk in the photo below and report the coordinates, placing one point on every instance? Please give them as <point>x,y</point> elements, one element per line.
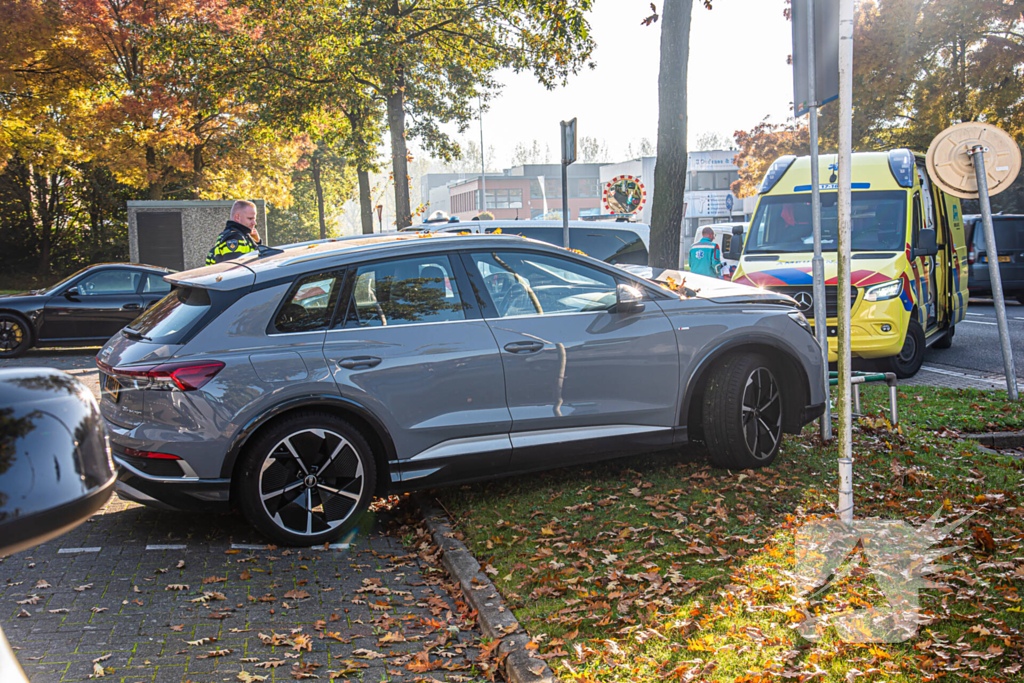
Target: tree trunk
<point>314,164</point>
<point>45,220</point>
<point>670,169</point>
<point>155,190</point>
<point>365,208</point>
<point>399,155</point>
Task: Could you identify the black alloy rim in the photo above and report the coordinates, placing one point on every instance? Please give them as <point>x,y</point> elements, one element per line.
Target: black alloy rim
<point>762,413</point>
<point>311,482</point>
<point>12,334</point>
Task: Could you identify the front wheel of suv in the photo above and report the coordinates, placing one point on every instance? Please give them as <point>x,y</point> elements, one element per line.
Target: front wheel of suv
<point>305,481</point>
<point>742,416</point>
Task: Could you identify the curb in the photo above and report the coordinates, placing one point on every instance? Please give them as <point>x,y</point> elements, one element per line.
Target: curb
<point>998,439</point>
<point>495,619</point>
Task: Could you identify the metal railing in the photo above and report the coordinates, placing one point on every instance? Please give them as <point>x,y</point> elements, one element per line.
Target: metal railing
<point>858,378</point>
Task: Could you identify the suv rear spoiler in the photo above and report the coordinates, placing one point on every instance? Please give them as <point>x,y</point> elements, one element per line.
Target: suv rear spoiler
<point>220,277</point>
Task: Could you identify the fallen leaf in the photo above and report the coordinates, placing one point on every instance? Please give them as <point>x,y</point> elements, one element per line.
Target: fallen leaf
<point>97,610</point>
<point>176,587</point>
<point>215,653</point>
<point>42,583</point>
<point>201,641</point>
<point>363,653</point>
<point>272,664</point>
<point>59,610</point>
<point>247,677</point>
<point>180,565</point>
<point>30,600</point>
<point>178,627</point>
<point>214,579</point>
<point>103,658</point>
<point>85,587</point>
<point>97,671</point>
<point>24,613</point>
<point>296,595</point>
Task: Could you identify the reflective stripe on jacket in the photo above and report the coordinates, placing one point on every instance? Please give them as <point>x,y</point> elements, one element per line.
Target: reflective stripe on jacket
<point>232,242</point>
<point>705,258</point>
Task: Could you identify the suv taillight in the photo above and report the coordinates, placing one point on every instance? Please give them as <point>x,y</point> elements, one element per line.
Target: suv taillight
<point>186,376</point>
<point>972,255</point>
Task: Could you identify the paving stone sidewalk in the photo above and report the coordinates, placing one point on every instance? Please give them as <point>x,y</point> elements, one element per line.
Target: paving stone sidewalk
<point>136,586</point>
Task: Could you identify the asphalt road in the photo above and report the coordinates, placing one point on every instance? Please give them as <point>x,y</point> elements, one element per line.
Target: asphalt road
<point>976,346</point>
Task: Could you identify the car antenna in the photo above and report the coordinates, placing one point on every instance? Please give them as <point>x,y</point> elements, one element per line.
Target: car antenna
<point>264,250</point>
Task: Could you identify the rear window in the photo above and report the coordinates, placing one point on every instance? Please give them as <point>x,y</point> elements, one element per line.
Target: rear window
<point>611,246</point>
<point>1009,233</point>
<point>171,318</point>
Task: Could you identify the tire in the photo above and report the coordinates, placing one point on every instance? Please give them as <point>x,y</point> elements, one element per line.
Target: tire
<point>946,340</point>
<point>313,516</point>
<point>15,335</point>
<point>909,360</point>
<point>743,413</point>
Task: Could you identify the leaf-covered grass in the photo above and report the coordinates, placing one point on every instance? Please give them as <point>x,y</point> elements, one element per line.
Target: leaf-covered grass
<point>660,568</point>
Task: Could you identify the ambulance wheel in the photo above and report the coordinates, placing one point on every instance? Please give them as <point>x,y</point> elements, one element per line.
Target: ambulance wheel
<point>910,357</point>
<point>946,340</point>
<point>742,416</point>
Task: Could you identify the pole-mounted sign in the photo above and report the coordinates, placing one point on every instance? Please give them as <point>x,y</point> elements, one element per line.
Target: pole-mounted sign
<point>975,161</point>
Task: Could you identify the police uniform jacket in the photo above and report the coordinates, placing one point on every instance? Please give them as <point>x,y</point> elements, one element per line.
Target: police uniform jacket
<point>232,242</point>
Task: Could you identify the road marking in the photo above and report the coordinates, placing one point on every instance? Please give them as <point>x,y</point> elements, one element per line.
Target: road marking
<point>976,322</point>
<point>247,546</point>
<point>940,371</point>
<point>73,551</point>
<point>172,546</point>
<point>977,314</point>
<point>333,546</point>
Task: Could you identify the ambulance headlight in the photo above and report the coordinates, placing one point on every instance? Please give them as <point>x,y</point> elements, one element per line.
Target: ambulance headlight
<point>885,291</point>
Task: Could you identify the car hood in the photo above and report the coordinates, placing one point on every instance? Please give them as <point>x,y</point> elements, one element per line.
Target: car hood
<point>712,289</point>
<point>21,297</point>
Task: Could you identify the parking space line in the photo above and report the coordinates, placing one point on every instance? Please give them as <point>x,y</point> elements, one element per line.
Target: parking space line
<point>247,546</point>
<point>73,551</point>
<point>172,546</point>
<point>976,322</point>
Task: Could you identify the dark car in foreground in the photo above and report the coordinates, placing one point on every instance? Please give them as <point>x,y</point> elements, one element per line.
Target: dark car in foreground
<point>298,385</point>
<point>82,309</point>
<point>1009,233</point>
<point>55,468</point>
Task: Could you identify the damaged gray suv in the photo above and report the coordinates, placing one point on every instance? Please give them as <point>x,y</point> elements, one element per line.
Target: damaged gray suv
<point>298,384</point>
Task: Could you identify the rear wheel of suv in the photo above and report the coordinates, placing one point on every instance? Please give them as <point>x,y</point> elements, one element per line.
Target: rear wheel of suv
<point>15,336</point>
<point>305,481</point>
<point>742,414</point>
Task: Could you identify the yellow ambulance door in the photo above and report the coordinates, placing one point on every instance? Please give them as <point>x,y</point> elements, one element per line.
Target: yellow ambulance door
<point>922,268</point>
<point>940,274</point>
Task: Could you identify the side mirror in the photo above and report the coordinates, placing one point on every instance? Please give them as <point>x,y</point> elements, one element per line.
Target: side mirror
<point>736,243</point>
<point>628,299</point>
<point>926,244</point>
<point>71,292</point>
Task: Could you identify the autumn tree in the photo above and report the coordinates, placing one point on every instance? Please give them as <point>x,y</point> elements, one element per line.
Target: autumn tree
<point>761,146</point>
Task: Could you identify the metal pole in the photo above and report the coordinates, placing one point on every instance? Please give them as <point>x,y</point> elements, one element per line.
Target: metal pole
<point>845,509</point>
<point>817,263</point>
<point>978,157</point>
<point>565,191</point>
<point>483,169</point>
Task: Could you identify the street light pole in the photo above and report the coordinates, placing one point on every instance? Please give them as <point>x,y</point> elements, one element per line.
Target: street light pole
<point>845,202</point>
<point>483,168</point>
<point>817,262</point>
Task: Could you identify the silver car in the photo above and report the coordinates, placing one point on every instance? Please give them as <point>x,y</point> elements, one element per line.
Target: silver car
<point>299,384</point>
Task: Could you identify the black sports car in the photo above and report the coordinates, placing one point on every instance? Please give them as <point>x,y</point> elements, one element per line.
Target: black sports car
<point>88,307</point>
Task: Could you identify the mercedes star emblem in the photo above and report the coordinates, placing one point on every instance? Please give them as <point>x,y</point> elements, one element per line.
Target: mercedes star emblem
<point>804,301</point>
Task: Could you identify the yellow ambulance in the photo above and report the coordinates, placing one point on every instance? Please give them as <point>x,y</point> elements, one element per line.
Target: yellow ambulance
<point>909,257</point>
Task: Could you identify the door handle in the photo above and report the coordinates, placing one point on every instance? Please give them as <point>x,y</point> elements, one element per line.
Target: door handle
<point>524,347</point>
<point>131,307</point>
<point>359,362</point>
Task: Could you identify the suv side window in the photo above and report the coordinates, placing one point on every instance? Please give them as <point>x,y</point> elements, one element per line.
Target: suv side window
<point>404,292</point>
<point>526,283</point>
<point>310,304</point>
<point>610,246</point>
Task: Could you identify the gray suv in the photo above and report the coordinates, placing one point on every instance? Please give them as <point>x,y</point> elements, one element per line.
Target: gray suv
<point>299,384</point>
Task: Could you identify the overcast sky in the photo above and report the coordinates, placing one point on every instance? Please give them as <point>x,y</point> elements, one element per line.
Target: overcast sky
<point>738,75</point>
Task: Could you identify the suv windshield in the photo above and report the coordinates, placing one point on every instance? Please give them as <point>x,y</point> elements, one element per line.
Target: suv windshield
<point>170,319</point>
<point>782,223</point>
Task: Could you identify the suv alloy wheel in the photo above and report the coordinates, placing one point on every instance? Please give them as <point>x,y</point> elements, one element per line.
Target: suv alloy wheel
<point>743,407</point>
<point>306,480</point>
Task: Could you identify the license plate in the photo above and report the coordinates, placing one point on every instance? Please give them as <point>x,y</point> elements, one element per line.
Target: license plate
<point>1004,259</point>
<point>112,387</point>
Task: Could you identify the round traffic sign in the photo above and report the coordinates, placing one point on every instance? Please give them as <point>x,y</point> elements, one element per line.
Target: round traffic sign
<point>951,165</point>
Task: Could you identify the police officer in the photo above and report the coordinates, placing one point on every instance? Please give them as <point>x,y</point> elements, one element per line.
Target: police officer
<point>239,235</point>
<point>705,256</point>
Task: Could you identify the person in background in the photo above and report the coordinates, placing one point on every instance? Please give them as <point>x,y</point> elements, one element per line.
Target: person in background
<point>239,235</point>
<point>705,256</point>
